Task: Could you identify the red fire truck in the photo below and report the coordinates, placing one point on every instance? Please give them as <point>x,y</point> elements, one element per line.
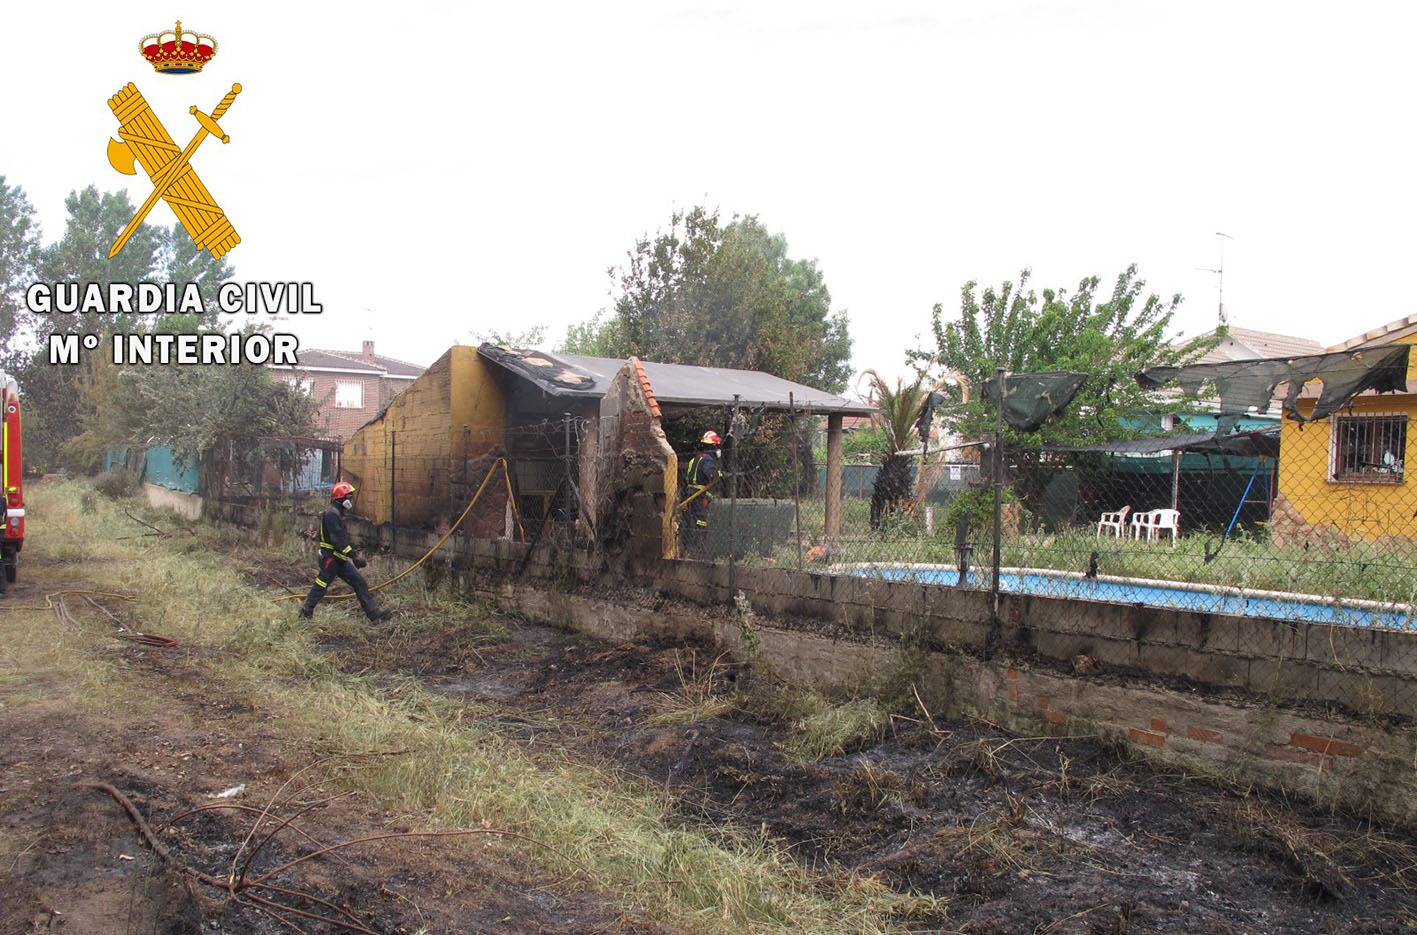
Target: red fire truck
<point>11,479</point>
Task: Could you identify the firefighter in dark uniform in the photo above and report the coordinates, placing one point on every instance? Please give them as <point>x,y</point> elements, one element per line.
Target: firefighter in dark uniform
<point>339,558</point>
<point>703,471</point>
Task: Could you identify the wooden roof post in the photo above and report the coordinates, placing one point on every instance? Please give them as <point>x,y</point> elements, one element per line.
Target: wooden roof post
<point>833,502</point>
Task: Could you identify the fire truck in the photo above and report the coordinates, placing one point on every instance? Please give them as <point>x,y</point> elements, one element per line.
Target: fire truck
<point>11,478</point>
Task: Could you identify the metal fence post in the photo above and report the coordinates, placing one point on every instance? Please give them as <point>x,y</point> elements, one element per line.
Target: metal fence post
<point>393,489</point>
<point>796,478</point>
<point>998,494</point>
<point>732,497</point>
<point>570,465</point>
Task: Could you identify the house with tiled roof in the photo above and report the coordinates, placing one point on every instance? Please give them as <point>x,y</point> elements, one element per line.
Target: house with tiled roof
<point>351,386</point>
<point>1242,344</point>
<point>1249,344</point>
<point>1344,477</point>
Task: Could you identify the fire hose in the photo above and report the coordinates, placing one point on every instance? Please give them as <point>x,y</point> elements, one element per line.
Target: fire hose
<point>500,462</point>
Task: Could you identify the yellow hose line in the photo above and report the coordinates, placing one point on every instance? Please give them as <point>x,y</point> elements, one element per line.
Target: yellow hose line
<point>426,555</point>
<point>49,599</point>
<point>697,493</point>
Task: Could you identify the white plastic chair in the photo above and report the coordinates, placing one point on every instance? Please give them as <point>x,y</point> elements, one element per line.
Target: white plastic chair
<point>1140,521</point>
<point>1113,521</point>
<point>1154,522</point>
<point>1163,520</point>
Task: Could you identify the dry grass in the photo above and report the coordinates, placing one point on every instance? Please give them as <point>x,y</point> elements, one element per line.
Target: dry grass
<point>999,840</point>
<point>1326,863</point>
<point>454,771</point>
<point>833,729</point>
<point>701,693</point>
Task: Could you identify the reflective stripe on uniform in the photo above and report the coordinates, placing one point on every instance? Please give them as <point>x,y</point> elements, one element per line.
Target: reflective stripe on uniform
<point>323,584</point>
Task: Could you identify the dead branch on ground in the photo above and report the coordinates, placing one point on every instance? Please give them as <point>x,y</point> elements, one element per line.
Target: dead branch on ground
<point>283,904</point>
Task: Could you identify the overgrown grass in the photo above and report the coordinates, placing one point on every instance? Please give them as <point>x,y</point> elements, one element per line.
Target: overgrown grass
<point>451,769</point>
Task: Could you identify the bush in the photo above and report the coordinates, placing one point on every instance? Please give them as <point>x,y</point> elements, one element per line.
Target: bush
<point>978,505</point>
<point>117,485</point>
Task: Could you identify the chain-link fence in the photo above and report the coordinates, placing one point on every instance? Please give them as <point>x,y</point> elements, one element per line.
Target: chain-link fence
<point>1326,533</point>
<point>1321,528</point>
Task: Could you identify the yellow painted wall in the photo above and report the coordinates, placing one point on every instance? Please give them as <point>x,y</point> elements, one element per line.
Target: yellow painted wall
<point>1369,510</point>
<point>670,541</point>
<point>477,402</point>
<point>424,428</point>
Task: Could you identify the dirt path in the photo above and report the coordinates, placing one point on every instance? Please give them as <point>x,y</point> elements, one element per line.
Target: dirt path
<point>72,861</point>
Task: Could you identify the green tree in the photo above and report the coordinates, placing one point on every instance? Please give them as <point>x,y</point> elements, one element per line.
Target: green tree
<point>190,409</point>
<point>54,406</point>
<point>721,295</point>
<point>1108,336</point>
<point>534,336</point>
<point>598,336</point>
<point>19,251</point>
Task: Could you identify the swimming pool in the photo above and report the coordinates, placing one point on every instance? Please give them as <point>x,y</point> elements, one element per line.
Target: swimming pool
<point>1179,595</point>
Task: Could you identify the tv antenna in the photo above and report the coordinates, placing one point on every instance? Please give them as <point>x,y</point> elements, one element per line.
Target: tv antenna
<point>1220,276</point>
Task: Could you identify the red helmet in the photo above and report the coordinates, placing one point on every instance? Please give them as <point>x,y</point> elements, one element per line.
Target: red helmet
<point>710,438</point>
<point>341,490</point>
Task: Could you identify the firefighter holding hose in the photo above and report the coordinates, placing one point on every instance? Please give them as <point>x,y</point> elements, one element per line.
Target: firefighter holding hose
<point>703,472</point>
<point>340,559</point>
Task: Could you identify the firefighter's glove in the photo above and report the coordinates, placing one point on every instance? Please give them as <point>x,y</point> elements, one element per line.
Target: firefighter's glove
<point>359,560</point>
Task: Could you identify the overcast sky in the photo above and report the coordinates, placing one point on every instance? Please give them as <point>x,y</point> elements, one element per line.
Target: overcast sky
<point>439,169</point>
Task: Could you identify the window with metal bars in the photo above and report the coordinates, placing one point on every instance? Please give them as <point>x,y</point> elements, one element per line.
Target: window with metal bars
<point>1368,449</point>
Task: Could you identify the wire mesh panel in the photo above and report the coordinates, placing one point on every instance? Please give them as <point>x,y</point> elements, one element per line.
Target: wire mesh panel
<point>1224,534</point>
<point>1328,535</point>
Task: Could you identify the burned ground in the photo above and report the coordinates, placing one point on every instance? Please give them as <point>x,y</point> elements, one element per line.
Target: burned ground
<point>1016,834</point>
<point>994,833</point>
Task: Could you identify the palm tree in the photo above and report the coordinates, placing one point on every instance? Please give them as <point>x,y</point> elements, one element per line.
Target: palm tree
<point>897,412</point>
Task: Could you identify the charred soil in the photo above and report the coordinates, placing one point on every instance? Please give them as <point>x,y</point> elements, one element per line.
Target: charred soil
<point>1016,834</point>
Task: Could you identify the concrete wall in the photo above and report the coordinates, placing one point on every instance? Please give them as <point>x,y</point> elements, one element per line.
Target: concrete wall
<point>1354,763</point>
<point>179,501</point>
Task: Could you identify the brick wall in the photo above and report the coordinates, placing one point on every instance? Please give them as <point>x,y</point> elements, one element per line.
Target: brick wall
<point>626,474</point>
<point>339,422</point>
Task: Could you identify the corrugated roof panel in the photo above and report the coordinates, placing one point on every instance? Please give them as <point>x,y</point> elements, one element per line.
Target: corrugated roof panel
<point>674,384</point>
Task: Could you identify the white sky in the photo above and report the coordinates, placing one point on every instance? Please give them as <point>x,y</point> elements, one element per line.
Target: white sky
<point>438,168</point>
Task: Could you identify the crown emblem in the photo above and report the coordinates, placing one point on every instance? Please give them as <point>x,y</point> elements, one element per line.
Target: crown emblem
<point>176,52</point>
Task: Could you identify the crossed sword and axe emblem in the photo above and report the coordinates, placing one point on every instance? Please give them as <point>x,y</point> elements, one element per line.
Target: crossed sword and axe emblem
<point>144,140</point>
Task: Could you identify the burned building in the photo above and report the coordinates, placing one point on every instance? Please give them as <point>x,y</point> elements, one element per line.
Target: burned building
<point>556,439</point>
